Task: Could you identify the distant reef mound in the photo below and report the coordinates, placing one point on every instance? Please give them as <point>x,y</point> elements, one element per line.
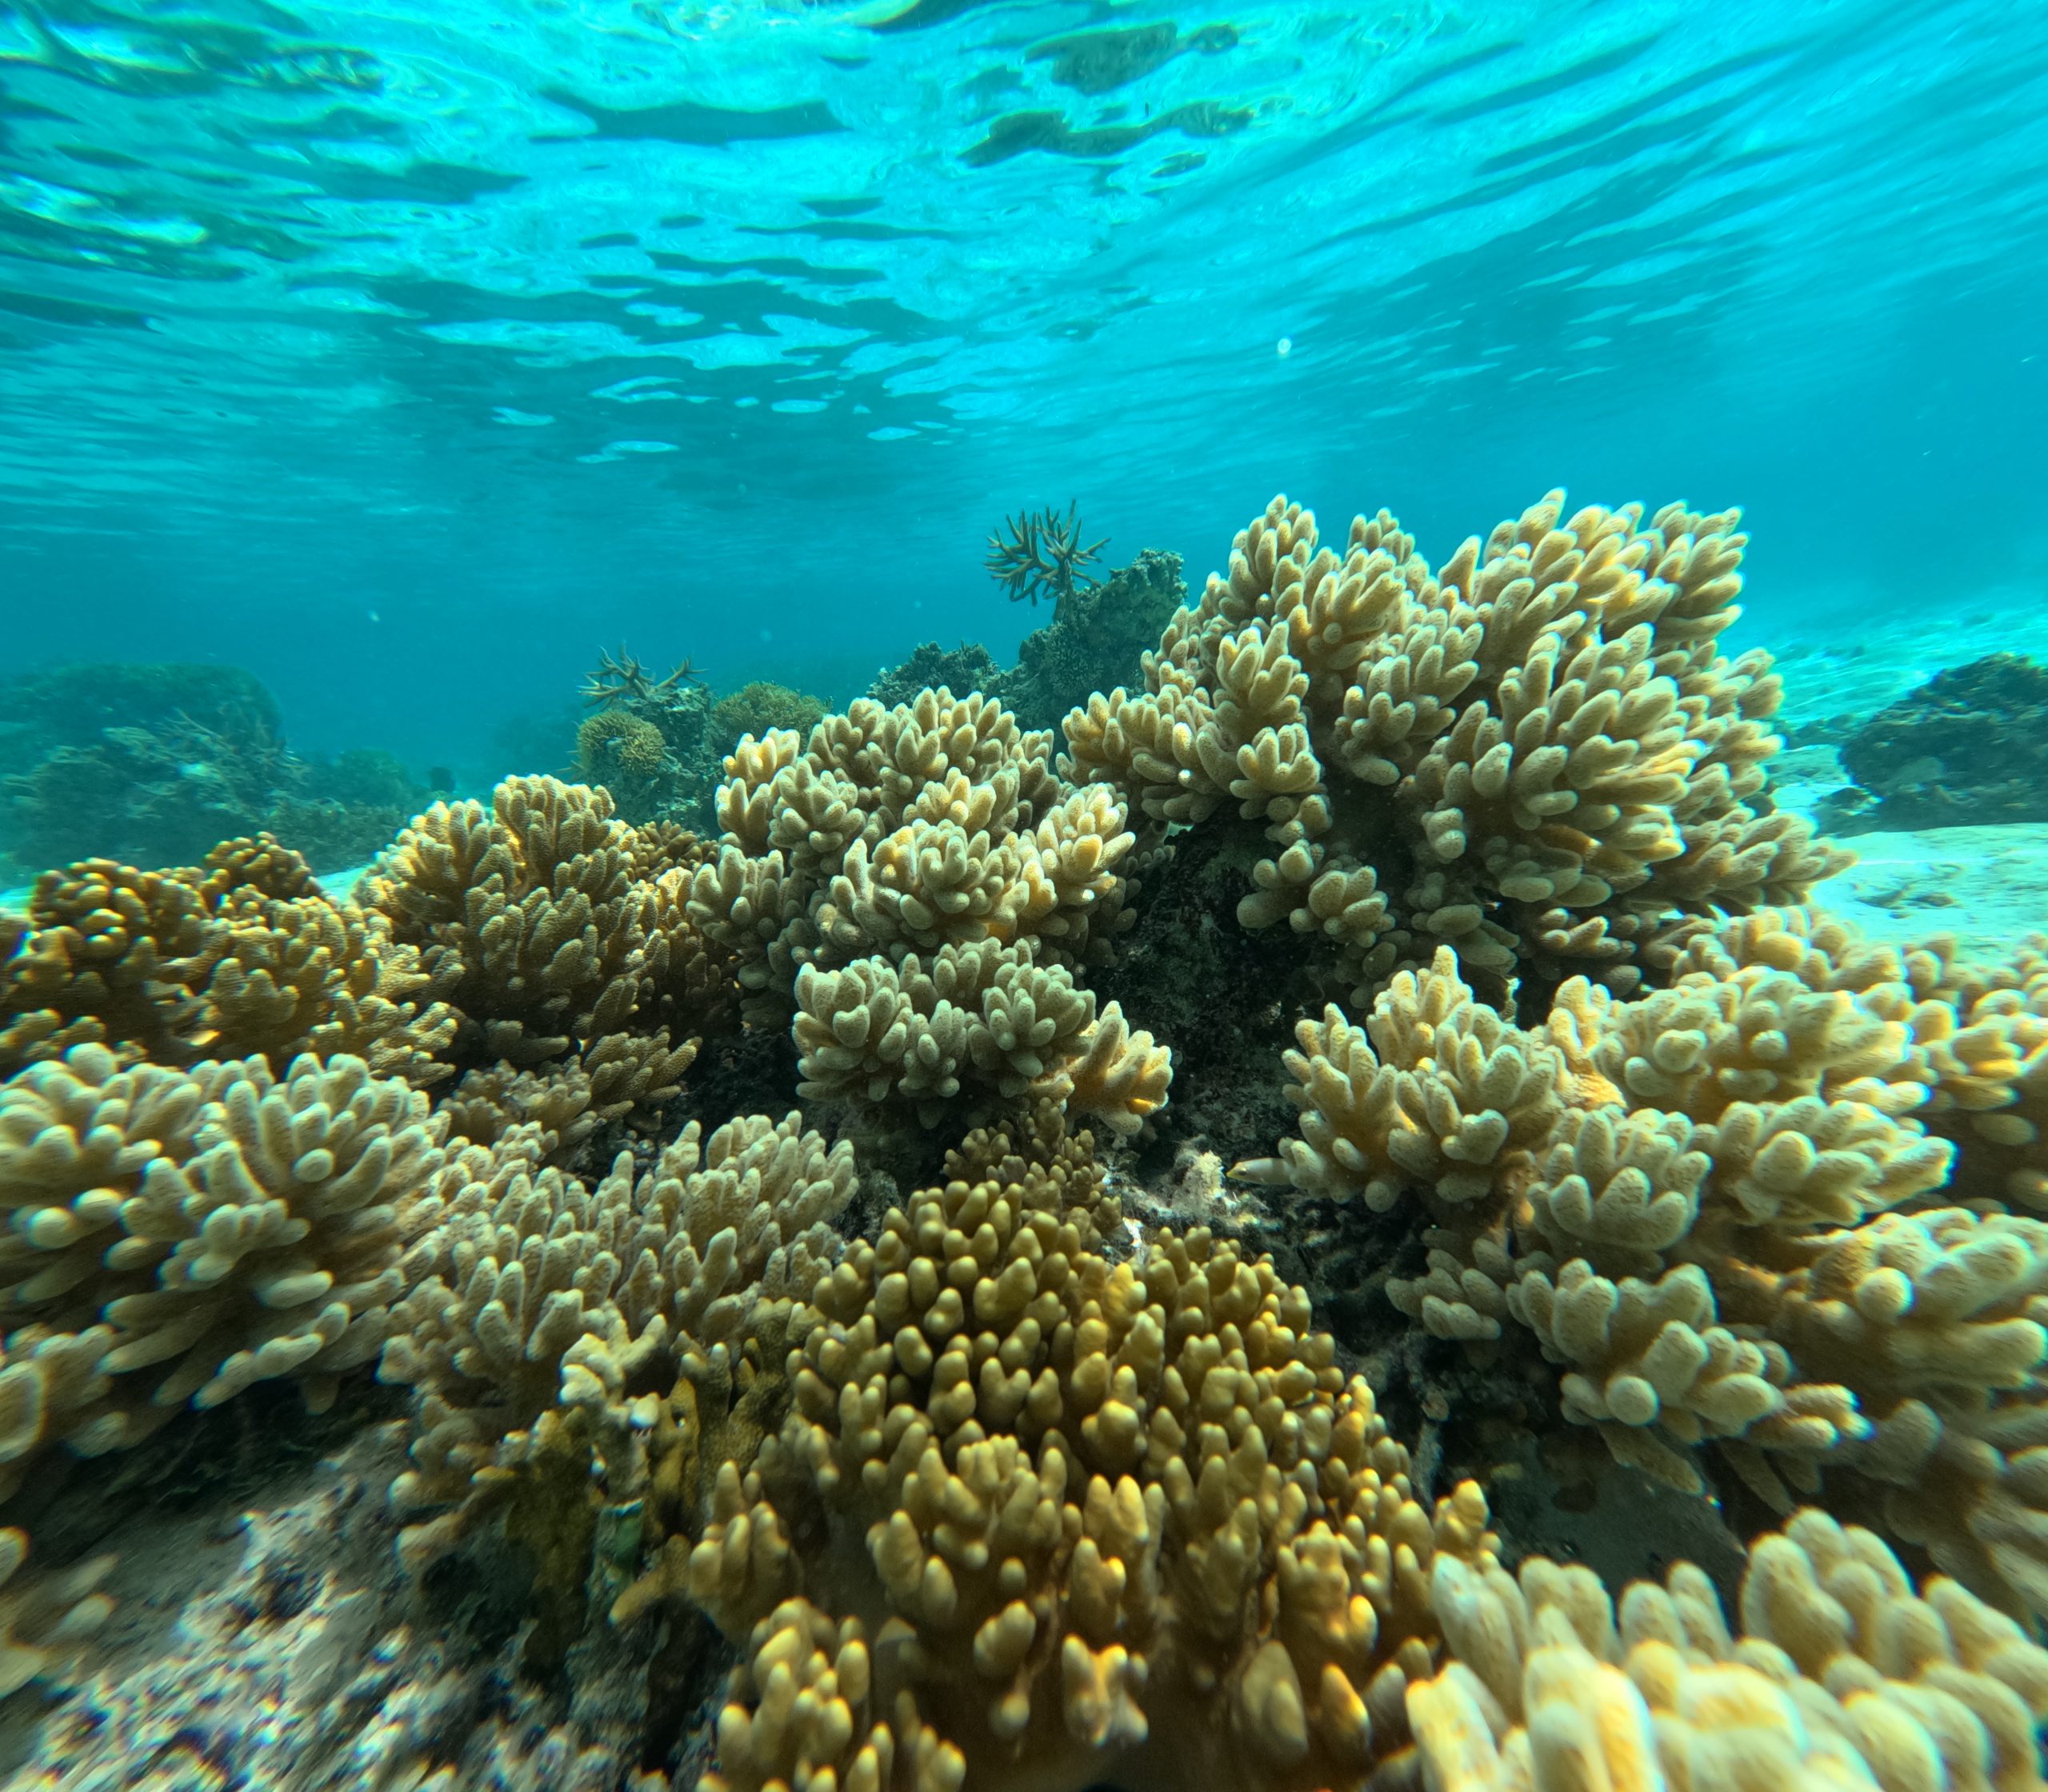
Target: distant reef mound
<point>1968,748</point>
<point>1094,642</point>
<point>152,762</point>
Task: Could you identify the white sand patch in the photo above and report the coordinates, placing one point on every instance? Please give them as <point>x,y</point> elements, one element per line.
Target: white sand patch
<point>1987,885</point>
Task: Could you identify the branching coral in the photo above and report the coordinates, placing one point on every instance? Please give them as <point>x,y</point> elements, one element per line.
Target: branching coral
<point>1533,755</point>
<point>1113,1514</point>
<point>1039,553</point>
<point>918,885</point>
<point>45,1619</point>
<point>239,955</point>
<point>1713,1207</point>
<point>546,1316</point>
<point>1845,1675</point>
<point>175,1236</point>
<point>538,922</point>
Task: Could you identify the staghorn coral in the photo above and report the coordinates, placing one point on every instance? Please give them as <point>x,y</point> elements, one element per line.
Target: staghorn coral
<point>176,1236</point>
<point>1763,1208</point>
<point>1039,553</point>
<point>1533,755</point>
<point>919,886</point>
<point>545,1317</point>
<point>1117,1517</point>
<point>1845,1674</point>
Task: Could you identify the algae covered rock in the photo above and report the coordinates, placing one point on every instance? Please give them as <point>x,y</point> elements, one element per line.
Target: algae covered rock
<point>1969,748</point>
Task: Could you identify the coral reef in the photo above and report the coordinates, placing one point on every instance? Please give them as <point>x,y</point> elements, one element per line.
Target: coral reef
<point>1843,1672</point>
<point>646,742</point>
<point>1764,1209</point>
<point>544,1314</point>
<point>756,708</point>
<point>1533,755</point>
<point>655,745</point>
<point>1097,639</point>
<point>895,1438</point>
<point>553,928</point>
<point>240,954</point>
<point>916,888</point>
<point>151,765</point>
<point>1969,747</point>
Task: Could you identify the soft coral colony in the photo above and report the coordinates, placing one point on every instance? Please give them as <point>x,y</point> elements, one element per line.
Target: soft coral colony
<point>988,1484</point>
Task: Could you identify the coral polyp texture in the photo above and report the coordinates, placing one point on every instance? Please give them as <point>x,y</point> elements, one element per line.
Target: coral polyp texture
<point>753,1450</point>
<point>174,1236</point>
<point>1765,1210</point>
<point>541,1310</point>
<point>1534,754</point>
<point>1843,1675</point>
<point>917,890</point>
<point>1036,1517</point>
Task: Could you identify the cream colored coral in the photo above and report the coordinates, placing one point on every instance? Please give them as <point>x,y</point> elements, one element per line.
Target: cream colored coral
<point>179,1235</point>
<point>1435,1094</point>
<point>44,1618</point>
<point>1845,1676</point>
<point>1534,755</point>
<point>1706,1215</point>
<point>913,887</point>
<point>985,1017</point>
<point>274,1250</point>
<point>545,1316</point>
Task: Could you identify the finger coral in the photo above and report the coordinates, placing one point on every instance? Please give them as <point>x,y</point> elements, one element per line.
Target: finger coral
<point>241,954</point>
<point>44,1618</point>
<point>538,923</point>
<point>1845,1674</point>
<point>541,1310</point>
<point>1533,755</point>
<point>1118,1517</point>
<point>1732,1211</point>
<point>918,886</point>
<point>175,1236</point>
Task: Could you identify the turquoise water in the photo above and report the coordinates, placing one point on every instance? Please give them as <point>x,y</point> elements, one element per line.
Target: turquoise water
<point>403,353</point>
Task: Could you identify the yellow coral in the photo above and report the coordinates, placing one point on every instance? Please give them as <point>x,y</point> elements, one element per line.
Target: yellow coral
<point>1118,1517</point>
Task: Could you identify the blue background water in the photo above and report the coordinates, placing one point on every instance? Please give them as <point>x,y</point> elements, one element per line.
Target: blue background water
<point>404,353</point>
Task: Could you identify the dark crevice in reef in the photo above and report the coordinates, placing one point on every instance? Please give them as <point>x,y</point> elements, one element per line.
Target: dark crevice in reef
<point>1224,998</point>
